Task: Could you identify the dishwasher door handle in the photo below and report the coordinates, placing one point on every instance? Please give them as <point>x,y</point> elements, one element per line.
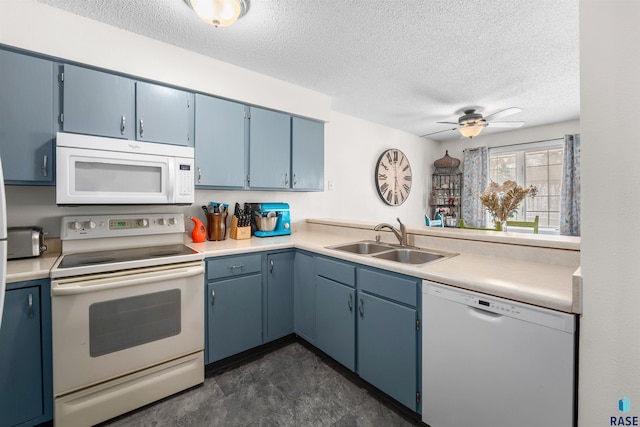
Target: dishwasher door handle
<point>486,315</point>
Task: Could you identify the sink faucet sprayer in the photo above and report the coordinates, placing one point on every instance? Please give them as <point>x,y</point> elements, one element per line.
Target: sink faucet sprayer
<point>401,234</point>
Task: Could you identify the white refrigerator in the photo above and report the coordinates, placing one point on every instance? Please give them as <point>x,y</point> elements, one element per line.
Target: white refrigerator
<point>3,243</point>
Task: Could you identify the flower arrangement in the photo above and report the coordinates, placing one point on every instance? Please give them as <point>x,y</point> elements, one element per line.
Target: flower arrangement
<point>502,201</point>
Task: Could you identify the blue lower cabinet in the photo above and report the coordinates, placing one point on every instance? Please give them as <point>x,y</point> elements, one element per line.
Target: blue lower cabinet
<point>234,316</point>
<point>25,355</point>
<point>233,305</point>
<point>387,348</point>
<point>278,296</point>
<point>304,292</point>
<point>335,320</point>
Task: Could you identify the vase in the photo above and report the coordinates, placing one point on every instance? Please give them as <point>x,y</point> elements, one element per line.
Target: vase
<point>501,226</point>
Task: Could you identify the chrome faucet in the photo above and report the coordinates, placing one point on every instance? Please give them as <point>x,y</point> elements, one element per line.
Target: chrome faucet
<point>401,234</point>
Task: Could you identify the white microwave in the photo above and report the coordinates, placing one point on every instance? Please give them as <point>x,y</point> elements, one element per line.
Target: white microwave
<point>93,170</point>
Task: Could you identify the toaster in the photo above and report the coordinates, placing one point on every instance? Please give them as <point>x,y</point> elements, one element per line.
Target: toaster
<point>25,242</point>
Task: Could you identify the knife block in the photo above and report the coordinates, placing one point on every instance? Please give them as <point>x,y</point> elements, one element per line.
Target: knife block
<point>239,233</point>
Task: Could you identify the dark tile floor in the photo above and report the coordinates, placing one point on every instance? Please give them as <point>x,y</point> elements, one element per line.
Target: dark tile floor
<point>290,386</point>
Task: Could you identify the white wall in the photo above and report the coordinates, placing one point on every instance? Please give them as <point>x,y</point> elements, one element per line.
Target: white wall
<point>352,145</point>
<point>610,324</point>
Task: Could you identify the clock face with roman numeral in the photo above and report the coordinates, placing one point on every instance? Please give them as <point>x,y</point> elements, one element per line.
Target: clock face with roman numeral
<point>393,177</point>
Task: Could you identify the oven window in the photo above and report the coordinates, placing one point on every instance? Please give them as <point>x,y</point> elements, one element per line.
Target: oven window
<point>117,177</point>
<point>129,322</point>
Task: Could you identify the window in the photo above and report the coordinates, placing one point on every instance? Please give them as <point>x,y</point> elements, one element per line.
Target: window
<point>538,164</point>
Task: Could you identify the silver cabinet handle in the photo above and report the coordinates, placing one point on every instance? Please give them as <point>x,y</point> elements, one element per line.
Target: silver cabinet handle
<point>271,266</point>
<point>235,267</point>
<point>199,174</point>
<point>122,125</point>
<point>295,180</point>
<point>44,165</point>
<point>213,295</point>
<point>31,306</point>
<point>361,308</point>
<point>350,302</point>
<point>286,179</point>
<point>141,128</point>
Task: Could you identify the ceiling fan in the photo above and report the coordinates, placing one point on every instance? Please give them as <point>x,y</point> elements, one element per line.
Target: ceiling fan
<point>471,123</point>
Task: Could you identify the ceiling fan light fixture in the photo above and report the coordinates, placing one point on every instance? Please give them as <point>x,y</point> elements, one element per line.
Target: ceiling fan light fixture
<point>472,129</point>
<point>219,13</point>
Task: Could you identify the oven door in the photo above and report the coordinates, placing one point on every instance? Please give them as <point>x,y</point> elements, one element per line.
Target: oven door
<point>108,325</point>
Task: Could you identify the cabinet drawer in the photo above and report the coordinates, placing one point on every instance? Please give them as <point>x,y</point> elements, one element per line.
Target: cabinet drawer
<point>233,266</point>
<point>401,289</point>
<point>336,270</point>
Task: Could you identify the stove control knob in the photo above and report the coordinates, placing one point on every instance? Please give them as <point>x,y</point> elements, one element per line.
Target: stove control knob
<point>172,221</point>
<point>75,225</point>
<point>143,222</point>
<point>90,225</point>
<point>162,221</point>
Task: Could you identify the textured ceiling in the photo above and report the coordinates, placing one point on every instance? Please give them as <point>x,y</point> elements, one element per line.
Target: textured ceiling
<point>403,63</point>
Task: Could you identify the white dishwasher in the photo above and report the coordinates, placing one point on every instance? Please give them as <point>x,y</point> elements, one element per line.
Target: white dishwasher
<point>491,362</point>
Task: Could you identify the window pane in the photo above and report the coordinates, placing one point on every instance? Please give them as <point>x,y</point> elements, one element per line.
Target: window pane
<point>542,168</point>
<point>536,158</point>
<point>555,156</point>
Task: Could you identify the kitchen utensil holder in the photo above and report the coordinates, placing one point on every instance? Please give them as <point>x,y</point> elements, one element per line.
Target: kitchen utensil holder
<point>239,233</point>
<point>216,226</point>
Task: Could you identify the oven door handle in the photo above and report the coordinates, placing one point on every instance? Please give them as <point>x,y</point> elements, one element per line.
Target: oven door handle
<point>95,285</point>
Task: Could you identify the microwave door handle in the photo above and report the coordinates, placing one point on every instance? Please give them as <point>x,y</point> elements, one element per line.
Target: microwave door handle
<point>96,285</point>
<point>172,177</point>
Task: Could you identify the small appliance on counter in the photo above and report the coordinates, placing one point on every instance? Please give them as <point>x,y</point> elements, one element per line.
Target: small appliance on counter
<point>25,242</point>
<point>271,219</point>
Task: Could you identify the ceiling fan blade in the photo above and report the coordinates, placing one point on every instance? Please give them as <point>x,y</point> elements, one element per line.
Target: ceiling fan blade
<point>505,124</point>
<point>440,131</point>
<point>503,113</point>
<point>449,123</point>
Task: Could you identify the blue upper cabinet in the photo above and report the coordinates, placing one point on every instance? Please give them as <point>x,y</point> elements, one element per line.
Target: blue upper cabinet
<point>164,114</point>
<point>307,154</point>
<point>220,143</point>
<point>98,103</point>
<point>269,149</point>
<point>27,118</point>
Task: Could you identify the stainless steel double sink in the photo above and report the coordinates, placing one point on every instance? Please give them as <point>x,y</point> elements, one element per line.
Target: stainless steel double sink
<point>391,252</point>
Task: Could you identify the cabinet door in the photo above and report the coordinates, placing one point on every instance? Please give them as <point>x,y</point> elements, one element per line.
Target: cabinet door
<point>27,118</point>
<point>279,296</point>
<point>21,375</point>
<point>387,348</point>
<point>234,316</point>
<point>335,320</point>
<point>304,296</point>
<point>220,143</point>
<point>98,103</point>
<point>307,154</point>
<point>269,149</point>
<point>164,114</point>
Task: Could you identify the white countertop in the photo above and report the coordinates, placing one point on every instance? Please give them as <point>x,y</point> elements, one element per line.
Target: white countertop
<point>544,285</point>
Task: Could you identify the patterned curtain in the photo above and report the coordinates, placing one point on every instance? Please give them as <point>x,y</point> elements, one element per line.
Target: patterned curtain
<point>570,189</point>
<point>474,181</point>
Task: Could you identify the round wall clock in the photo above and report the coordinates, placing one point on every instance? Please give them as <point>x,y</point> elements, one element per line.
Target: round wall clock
<point>393,177</point>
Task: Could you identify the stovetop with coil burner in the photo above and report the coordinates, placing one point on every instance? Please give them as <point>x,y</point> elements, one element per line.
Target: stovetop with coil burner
<point>104,243</point>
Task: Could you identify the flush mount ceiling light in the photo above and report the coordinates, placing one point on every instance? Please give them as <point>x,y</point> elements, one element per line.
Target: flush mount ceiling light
<point>219,13</point>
